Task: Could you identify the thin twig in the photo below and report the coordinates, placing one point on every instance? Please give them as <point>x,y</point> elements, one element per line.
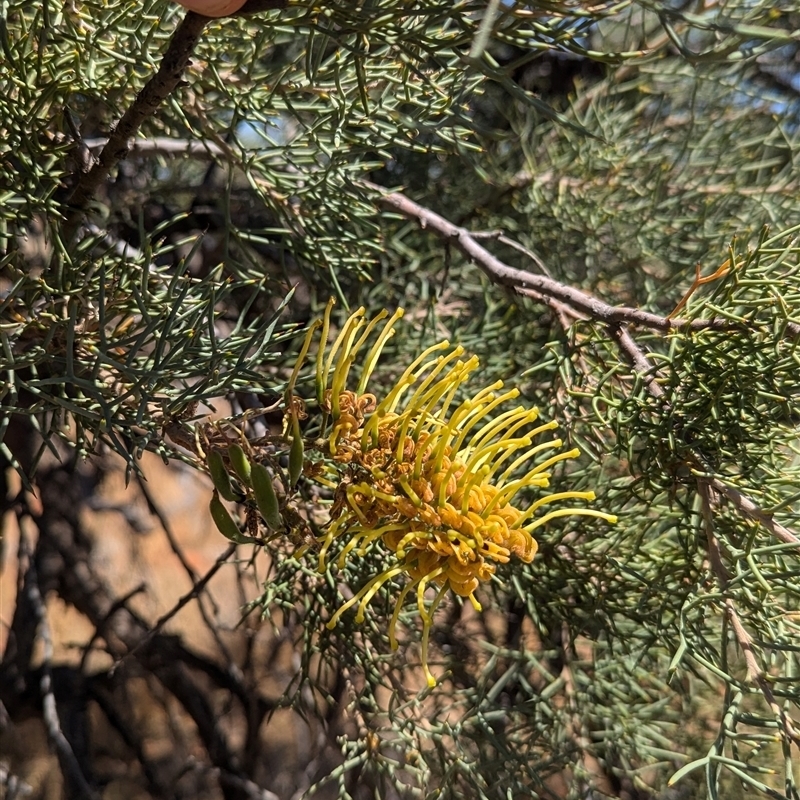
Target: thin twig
<point>195,591</point>
<point>164,145</point>
<point>155,91</point>
<point>755,672</point>
<point>118,605</point>
<point>121,722</point>
<point>741,502</point>
<point>526,251</point>
<point>64,552</point>
<point>73,774</point>
<point>192,575</point>
<point>525,178</point>
<point>566,314</point>
<point>13,787</point>
<point>639,361</point>
<point>524,282</point>
<point>712,542</point>
<point>164,522</point>
<point>747,507</point>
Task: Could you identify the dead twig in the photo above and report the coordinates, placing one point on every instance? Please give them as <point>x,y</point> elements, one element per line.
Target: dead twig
<point>164,145</point>
<point>64,553</point>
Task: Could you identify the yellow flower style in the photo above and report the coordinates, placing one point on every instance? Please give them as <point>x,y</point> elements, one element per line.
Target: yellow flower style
<point>430,479</point>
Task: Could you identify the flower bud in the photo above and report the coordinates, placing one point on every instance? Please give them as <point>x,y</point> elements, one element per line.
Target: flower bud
<point>266,499</point>
<point>219,475</point>
<point>240,463</point>
<point>225,522</point>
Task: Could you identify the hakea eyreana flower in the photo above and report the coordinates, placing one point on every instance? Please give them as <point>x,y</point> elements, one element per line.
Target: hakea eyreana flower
<point>434,481</point>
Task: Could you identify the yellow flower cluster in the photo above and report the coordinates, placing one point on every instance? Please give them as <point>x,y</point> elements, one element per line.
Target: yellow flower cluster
<point>429,478</point>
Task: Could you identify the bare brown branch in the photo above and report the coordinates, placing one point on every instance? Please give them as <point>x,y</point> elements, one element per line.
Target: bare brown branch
<point>66,567</point>
<point>749,509</point>
<point>192,594</point>
<point>164,145</point>
<point>528,282</point>
<point>155,91</point>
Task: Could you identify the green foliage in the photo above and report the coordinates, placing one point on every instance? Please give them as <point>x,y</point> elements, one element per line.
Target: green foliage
<point>620,657</point>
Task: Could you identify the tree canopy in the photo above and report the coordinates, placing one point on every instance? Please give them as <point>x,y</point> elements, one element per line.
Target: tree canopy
<point>588,214</point>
